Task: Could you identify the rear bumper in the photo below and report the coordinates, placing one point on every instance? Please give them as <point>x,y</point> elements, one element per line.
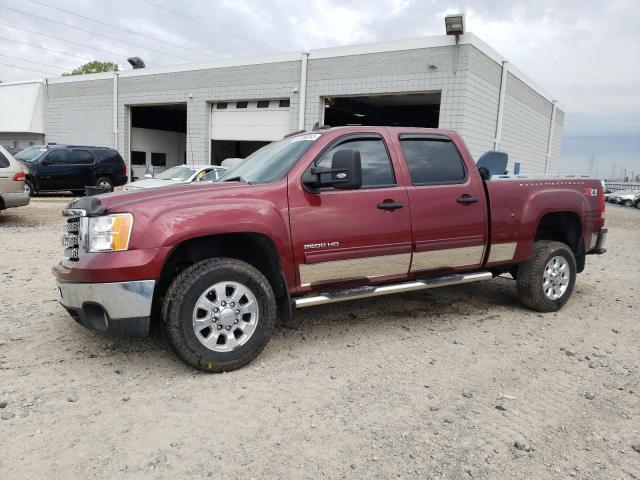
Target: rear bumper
<point>10,200</point>
<point>119,308</point>
<point>599,249</point>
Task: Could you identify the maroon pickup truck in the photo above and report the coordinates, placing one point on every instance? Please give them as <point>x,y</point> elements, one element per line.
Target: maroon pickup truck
<point>318,217</point>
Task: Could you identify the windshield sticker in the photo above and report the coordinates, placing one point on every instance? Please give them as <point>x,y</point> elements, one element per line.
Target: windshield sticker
<point>308,136</point>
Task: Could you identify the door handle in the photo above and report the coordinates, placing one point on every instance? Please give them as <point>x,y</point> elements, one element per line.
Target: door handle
<point>390,205</point>
<point>467,200</point>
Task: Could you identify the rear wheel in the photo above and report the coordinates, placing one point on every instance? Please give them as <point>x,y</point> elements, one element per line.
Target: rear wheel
<point>219,314</point>
<point>105,184</point>
<point>29,189</point>
<point>545,281</point>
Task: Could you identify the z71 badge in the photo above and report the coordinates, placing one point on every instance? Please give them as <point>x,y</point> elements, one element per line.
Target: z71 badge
<point>312,246</point>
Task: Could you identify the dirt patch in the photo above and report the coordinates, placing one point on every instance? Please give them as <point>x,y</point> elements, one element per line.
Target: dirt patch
<point>461,382</point>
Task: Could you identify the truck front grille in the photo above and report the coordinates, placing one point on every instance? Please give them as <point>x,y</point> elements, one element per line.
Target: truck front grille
<point>71,239</point>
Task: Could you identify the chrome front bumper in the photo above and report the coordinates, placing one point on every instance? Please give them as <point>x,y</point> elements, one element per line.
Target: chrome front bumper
<point>119,308</point>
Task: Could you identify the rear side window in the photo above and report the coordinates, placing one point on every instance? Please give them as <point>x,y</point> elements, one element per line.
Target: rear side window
<point>4,161</point>
<point>102,155</point>
<point>432,161</point>
<point>376,164</point>
<point>58,157</point>
<point>81,157</point>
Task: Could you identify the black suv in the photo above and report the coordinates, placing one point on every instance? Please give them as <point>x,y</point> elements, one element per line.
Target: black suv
<point>71,167</point>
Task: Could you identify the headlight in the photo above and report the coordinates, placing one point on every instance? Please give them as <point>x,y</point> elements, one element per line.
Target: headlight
<point>110,233</point>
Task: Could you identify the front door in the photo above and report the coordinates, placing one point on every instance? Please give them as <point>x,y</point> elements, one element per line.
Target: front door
<point>52,169</point>
<point>359,235</point>
<point>448,209</point>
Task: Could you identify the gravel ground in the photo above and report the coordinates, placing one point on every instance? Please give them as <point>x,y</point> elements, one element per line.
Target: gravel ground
<point>459,383</point>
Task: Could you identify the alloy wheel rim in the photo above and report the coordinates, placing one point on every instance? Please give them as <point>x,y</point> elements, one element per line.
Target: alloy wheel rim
<point>225,316</point>
<point>106,186</point>
<point>556,277</point>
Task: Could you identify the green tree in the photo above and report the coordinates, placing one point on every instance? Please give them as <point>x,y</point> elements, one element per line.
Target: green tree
<point>93,67</point>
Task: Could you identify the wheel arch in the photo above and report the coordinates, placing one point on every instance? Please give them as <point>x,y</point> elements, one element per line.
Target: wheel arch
<point>254,248</point>
<point>565,227</point>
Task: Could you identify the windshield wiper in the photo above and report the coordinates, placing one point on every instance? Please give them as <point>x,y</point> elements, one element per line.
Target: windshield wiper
<point>237,179</point>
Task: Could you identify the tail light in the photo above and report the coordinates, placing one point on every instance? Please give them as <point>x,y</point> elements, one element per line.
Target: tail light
<point>19,177</point>
<point>124,169</point>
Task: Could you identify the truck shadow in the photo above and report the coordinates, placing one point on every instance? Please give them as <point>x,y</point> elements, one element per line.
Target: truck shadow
<point>443,309</point>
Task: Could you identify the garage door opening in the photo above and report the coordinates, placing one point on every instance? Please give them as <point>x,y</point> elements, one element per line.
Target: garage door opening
<point>158,138</point>
<point>406,110</point>
<point>223,149</point>
<point>240,128</point>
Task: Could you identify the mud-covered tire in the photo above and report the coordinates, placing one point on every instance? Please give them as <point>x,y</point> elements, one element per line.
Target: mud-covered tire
<point>531,273</point>
<point>178,313</point>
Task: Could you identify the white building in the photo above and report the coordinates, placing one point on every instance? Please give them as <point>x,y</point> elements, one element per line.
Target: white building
<point>206,112</point>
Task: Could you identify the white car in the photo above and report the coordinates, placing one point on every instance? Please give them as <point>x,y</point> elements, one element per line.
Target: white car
<point>176,175</point>
<point>629,199</point>
<point>12,177</point>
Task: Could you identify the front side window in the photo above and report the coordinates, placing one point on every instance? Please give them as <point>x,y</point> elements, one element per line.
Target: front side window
<point>377,171</point>
<point>432,161</point>
<point>58,157</point>
<point>81,157</point>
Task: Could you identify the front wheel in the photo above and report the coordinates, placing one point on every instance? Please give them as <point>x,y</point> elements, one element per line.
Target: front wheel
<point>219,314</point>
<point>628,203</point>
<point>546,280</point>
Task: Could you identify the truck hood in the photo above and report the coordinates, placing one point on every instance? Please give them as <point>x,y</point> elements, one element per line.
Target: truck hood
<point>184,194</point>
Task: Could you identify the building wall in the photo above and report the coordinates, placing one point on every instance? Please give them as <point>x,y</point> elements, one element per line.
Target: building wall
<point>480,103</point>
<point>525,126</point>
<point>468,77</point>
<point>405,71</point>
<point>79,112</point>
<point>556,142</point>
<point>20,139</point>
<point>199,89</point>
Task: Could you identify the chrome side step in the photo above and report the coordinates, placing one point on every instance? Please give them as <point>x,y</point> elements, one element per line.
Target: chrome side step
<point>370,291</point>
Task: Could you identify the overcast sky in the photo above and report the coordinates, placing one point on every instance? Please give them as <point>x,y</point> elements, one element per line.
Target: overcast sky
<point>585,53</point>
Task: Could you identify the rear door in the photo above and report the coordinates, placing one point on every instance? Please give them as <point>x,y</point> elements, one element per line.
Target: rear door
<point>52,169</point>
<point>448,206</point>
<point>7,171</point>
<point>350,235</point>
<point>79,170</point>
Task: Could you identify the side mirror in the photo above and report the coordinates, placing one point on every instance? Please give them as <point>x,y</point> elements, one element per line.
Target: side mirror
<point>46,161</point>
<point>345,172</point>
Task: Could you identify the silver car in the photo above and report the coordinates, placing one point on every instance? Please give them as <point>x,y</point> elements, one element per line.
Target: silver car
<point>176,175</point>
<point>12,192</point>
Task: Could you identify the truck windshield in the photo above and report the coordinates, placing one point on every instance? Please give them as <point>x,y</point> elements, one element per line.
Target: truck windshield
<point>271,162</point>
<point>30,154</point>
